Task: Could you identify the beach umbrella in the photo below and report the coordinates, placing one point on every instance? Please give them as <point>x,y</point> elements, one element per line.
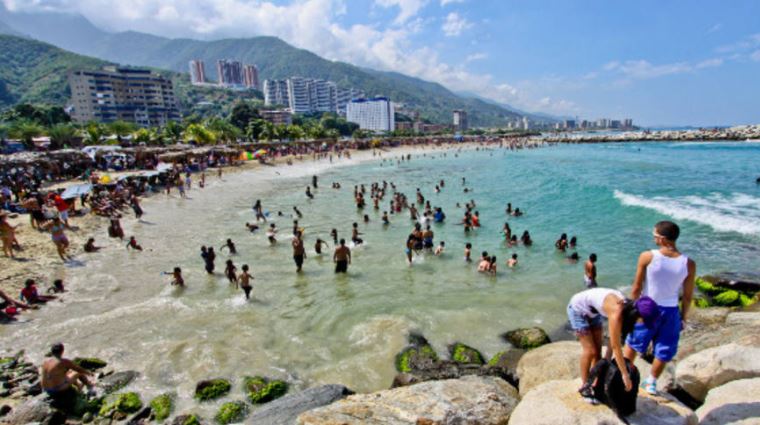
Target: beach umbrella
<point>105,179</point>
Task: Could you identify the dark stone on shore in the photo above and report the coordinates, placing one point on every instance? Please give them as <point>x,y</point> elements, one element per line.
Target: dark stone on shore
<point>419,355</point>
<point>188,419</point>
<point>743,282</point>
<point>285,410</point>
<point>117,381</point>
<point>462,353</point>
<point>260,389</point>
<point>4,410</point>
<point>212,388</point>
<point>505,362</point>
<point>141,417</point>
<point>527,338</point>
<point>447,369</point>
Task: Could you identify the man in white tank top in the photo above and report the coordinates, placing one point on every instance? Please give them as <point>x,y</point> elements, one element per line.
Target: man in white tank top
<point>662,274</point>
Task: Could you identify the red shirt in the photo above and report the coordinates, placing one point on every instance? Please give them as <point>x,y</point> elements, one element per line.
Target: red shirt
<point>60,204</point>
<point>29,293</point>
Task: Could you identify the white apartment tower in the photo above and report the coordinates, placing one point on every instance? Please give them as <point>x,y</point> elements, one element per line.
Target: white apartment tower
<point>375,114</point>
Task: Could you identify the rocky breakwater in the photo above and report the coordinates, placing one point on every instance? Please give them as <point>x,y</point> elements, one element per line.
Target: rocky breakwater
<point>746,132</point>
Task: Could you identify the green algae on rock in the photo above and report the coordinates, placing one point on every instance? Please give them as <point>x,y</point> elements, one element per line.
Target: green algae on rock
<point>212,389</point>
<point>90,363</point>
<point>261,390</point>
<point>415,357</point>
<point>162,406</point>
<point>123,403</point>
<point>462,353</point>
<point>230,412</point>
<point>527,338</point>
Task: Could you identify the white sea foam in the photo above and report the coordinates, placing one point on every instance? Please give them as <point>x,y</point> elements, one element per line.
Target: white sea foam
<point>737,212</point>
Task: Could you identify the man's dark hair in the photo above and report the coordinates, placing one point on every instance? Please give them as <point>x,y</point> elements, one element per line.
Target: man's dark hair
<point>592,257</point>
<point>668,230</point>
<point>57,349</point>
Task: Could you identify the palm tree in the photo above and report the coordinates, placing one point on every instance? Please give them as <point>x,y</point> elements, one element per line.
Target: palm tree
<point>26,130</point>
<point>268,131</point>
<point>93,134</point>
<point>295,132</point>
<point>172,132</point>
<point>61,135</point>
<point>224,130</point>
<point>255,128</point>
<point>332,133</point>
<point>121,129</point>
<point>200,134</point>
<point>316,131</point>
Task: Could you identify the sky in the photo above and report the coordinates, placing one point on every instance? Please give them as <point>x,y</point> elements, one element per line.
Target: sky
<point>675,62</point>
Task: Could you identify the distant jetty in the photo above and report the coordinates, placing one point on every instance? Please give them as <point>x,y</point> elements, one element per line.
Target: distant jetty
<point>739,133</point>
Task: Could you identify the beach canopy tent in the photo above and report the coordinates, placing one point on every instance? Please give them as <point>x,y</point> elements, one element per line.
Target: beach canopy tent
<point>76,191</point>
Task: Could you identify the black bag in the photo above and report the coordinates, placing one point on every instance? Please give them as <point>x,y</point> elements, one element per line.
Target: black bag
<point>607,383</point>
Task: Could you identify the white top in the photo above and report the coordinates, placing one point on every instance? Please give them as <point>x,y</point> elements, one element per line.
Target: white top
<point>589,302</point>
<point>665,277</point>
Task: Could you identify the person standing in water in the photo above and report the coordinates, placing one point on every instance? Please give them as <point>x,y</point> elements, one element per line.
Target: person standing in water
<point>177,276</point>
<point>342,257</point>
<point>230,246</point>
<point>60,240</point>
<point>299,253</point>
<point>229,271</point>
<point>589,269</point>
<point>245,281</point>
<point>318,246</point>
<point>662,274</point>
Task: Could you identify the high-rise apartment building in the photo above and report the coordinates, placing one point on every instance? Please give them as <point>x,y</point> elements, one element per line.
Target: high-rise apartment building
<point>251,77</point>
<point>229,73</point>
<point>460,120</point>
<point>343,96</point>
<point>525,123</point>
<point>197,72</point>
<point>127,94</point>
<point>375,114</point>
<point>276,93</point>
<point>309,95</point>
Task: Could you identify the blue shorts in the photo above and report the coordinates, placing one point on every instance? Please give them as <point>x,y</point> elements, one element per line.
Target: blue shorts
<point>581,324</point>
<point>665,335</point>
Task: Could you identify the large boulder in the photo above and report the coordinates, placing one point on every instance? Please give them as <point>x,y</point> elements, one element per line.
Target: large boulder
<point>469,400</point>
<point>37,409</point>
<point>558,402</point>
<point>285,410</point>
<point>667,380</point>
<point>558,360</point>
<point>527,338</point>
<point>742,318</point>
<point>732,403</point>
<point>707,369</point>
<point>419,355</point>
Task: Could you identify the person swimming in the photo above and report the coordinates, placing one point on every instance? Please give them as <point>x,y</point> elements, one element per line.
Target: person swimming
<point>133,244</point>
<point>271,233</point>
<point>512,262</point>
<point>318,246</point>
<point>440,248</point>
<point>90,246</point>
<point>230,246</point>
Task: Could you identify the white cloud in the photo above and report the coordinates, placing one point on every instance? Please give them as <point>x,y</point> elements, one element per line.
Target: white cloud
<point>715,28</point>
<point>454,25</point>
<point>643,69</point>
<point>755,56</point>
<point>709,63</point>
<point>476,57</point>
<point>448,2</point>
<point>407,8</point>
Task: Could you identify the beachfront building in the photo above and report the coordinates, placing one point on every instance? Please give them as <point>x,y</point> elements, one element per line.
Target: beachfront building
<point>280,116</point>
<point>460,120</point>
<point>229,73</point>
<point>525,124</point>
<point>374,114</point>
<point>251,77</point>
<point>197,72</point>
<point>276,93</point>
<point>343,96</point>
<point>122,94</point>
<point>308,95</point>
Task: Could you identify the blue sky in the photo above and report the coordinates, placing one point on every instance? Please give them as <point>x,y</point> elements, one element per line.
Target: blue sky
<point>658,62</point>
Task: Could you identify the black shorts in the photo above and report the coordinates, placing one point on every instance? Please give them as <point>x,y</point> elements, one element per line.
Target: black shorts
<point>247,290</point>
<point>38,215</point>
<point>299,260</point>
<point>341,266</point>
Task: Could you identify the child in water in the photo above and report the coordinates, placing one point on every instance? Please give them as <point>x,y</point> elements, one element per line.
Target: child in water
<point>245,282</point>
<point>230,270</point>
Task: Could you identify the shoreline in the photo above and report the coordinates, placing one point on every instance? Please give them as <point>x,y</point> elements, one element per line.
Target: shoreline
<point>733,134</point>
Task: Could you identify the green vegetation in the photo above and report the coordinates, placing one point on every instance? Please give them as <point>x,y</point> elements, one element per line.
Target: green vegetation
<point>415,355</point>
<point>90,363</point>
<point>262,390</point>
<point>124,403</point>
<point>211,389</point>
<point>527,338</point>
<point>162,406</point>
<point>234,411</point>
<point>719,296</point>
<point>462,353</point>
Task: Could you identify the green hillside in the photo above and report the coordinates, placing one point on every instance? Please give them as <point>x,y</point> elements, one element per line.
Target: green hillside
<point>36,72</point>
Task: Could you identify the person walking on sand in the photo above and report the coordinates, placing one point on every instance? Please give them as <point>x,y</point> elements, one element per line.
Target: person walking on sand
<point>56,228</point>
<point>342,257</point>
<point>662,274</point>
<point>7,235</point>
<point>589,270</point>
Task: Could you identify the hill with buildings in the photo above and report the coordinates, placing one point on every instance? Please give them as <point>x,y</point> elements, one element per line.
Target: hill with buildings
<point>35,72</point>
<point>275,59</point>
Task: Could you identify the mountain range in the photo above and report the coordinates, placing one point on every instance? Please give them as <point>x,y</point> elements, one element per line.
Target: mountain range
<point>275,59</point>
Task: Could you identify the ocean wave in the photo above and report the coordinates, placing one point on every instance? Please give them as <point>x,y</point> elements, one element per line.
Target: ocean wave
<point>737,212</point>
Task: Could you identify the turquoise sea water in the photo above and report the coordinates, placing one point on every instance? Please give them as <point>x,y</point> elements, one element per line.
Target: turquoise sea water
<point>317,327</point>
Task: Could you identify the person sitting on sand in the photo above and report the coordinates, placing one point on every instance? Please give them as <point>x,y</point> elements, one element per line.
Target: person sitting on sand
<point>31,296</point>
<point>9,307</point>
<point>61,378</point>
<point>586,310</point>
<point>90,246</point>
